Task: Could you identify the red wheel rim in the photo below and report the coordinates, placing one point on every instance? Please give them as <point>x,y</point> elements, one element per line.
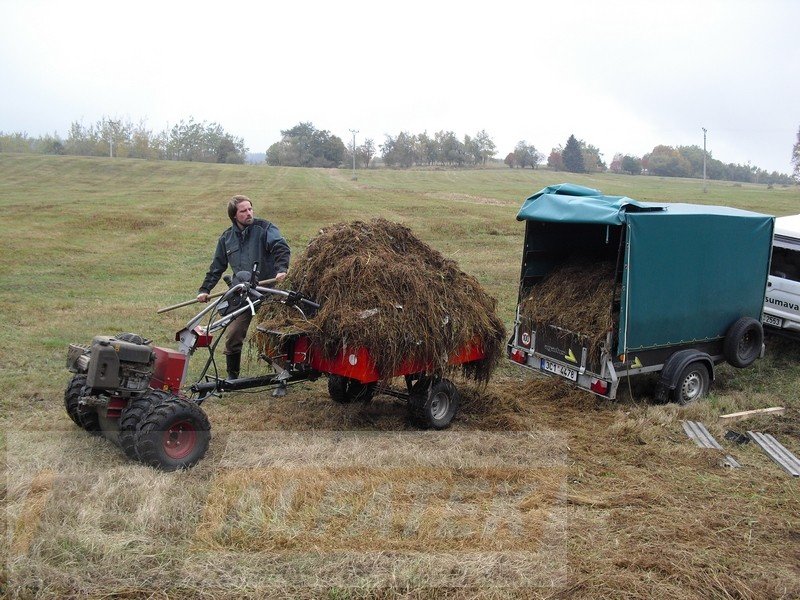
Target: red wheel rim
<point>179,440</point>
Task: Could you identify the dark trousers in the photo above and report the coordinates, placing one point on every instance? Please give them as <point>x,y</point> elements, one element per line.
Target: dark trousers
<point>236,333</point>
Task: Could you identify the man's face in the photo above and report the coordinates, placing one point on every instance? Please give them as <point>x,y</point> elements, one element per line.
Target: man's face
<point>244,214</point>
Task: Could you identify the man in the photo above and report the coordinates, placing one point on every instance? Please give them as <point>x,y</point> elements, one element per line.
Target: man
<point>245,242</point>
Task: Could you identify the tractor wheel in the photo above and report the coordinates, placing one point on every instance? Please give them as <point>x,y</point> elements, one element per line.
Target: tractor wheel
<point>174,434</point>
<point>83,417</point>
<point>434,403</point>
<point>692,384</point>
<point>132,417</point>
<point>345,390</point>
<point>742,344</point>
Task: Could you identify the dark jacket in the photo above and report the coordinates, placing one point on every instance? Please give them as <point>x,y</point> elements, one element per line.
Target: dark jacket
<point>260,243</point>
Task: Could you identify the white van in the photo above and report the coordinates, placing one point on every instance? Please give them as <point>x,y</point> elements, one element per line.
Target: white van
<point>782,302</point>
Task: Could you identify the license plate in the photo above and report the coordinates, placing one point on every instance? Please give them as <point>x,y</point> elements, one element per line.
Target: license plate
<point>558,369</point>
<point>774,321</point>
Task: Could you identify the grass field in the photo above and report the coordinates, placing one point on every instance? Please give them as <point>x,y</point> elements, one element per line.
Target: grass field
<point>536,491</point>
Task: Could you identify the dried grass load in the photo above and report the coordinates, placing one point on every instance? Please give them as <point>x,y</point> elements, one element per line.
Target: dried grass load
<point>577,296</point>
<point>383,289</point>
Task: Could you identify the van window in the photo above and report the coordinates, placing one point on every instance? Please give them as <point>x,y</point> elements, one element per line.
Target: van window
<point>785,263</point>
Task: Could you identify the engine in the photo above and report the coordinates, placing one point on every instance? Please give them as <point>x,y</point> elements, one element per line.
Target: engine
<point>121,365</point>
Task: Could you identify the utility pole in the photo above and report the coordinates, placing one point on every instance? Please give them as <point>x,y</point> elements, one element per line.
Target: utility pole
<point>705,190</point>
<point>354,132</point>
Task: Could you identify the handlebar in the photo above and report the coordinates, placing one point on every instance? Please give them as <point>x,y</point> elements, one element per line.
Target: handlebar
<point>290,298</point>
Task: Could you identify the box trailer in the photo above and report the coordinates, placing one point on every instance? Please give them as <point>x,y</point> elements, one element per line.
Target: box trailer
<point>611,287</point>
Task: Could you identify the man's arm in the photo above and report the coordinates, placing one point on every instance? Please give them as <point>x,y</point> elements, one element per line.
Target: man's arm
<point>218,266</point>
<point>279,250</point>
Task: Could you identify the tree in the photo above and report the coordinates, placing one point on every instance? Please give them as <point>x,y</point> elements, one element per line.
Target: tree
<point>694,155</point>
<point>143,144</point>
<point>426,149</point>
<point>616,164</point>
<point>666,161</point>
<point>305,146</point>
<point>573,156</point>
<point>451,150</point>
<point>511,160</point>
<point>51,145</point>
<point>526,155</point>
<point>203,142</point>
<point>365,152</point>
<point>229,152</point>
<point>631,165</point>
<point>796,157</point>
<point>484,146</point>
<point>592,158</point>
<point>556,161</point>
<point>399,151</point>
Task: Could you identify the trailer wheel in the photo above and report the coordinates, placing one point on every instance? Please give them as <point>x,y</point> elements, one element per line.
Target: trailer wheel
<point>174,434</point>
<point>692,384</point>
<point>132,417</point>
<point>743,342</point>
<point>434,403</point>
<point>345,390</point>
<point>83,417</point>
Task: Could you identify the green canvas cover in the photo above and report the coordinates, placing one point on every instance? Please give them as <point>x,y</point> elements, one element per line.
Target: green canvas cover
<point>570,203</point>
<point>690,271</point>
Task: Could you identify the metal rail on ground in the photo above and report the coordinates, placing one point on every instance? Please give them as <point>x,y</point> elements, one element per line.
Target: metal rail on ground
<point>777,452</point>
<point>701,436</point>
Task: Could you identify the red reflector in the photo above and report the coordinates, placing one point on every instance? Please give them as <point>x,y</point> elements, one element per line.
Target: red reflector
<point>518,356</point>
<point>599,386</point>
<point>203,339</point>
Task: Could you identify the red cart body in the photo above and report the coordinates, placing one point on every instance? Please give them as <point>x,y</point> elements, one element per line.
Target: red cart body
<point>358,364</point>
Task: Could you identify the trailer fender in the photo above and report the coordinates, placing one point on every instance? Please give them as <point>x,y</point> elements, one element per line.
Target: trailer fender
<point>674,367</point>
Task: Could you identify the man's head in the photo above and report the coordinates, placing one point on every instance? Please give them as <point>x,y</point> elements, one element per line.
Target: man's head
<point>240,210</point>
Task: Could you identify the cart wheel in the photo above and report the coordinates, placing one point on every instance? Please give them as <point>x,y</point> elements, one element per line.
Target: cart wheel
<point>131,419</point>
<point>174,434</point>
<point>434,403</point>
<point>82,416</point>
<point>345,390</point>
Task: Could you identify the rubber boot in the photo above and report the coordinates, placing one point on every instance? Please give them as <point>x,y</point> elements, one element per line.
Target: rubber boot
<point>233,364</point>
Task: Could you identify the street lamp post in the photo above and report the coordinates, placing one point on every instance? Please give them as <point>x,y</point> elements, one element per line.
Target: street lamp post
<point>705,190</point>
<point>354,132</point>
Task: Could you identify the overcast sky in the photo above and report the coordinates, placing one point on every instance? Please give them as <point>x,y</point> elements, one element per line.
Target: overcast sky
<point>621,75</point>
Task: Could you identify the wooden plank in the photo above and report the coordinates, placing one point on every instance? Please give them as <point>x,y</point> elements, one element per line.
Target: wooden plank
<point>774,411</point>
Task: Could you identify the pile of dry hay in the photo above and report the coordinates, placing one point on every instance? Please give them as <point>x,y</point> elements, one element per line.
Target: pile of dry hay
<point>577,296</point>
<point>383,289</point>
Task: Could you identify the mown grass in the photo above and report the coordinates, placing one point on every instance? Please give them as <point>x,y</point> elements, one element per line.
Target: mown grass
<point>614,501</point>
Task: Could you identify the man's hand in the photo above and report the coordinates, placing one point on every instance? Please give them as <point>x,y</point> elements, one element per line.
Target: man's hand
<point>202,297</point>
<point>280,277</point>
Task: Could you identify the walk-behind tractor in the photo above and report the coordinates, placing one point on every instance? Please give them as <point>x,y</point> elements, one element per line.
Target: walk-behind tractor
<point>133,393</point>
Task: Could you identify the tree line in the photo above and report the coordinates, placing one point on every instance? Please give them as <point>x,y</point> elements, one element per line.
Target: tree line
<point>576,156</point>
<point>306,146</point>
<point>687,161</point>
<point>188,140</point>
